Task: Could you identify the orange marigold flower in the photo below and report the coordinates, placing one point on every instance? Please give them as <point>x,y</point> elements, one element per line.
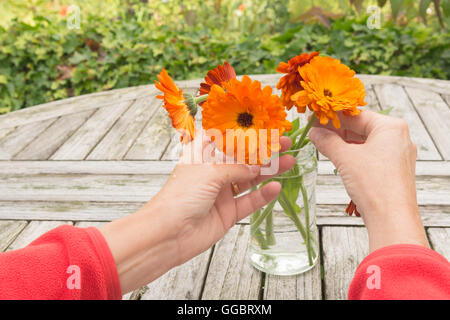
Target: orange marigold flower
<point>218,76</point>
<point>328,87</point>
<point>290,83</point>
<point>244,107</point>
<point>351,209</point>
<point>174,102</point>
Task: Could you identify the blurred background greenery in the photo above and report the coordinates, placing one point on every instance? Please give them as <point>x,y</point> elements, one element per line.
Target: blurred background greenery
<point>122,43</point>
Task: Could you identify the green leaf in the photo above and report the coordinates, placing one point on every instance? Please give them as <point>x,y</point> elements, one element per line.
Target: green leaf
<point>295,126</point>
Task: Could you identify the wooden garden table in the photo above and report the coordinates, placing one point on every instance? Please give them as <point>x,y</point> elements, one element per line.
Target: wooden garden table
<point>94,158</point>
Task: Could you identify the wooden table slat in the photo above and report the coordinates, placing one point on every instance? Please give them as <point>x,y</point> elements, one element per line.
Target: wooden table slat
<point>9,231</point>
<point>436,115</point>
<point>343,250</point>
<point>183,282</point>
<point>153,141</point>
<point>230,276</point>
<point>139,188</point>
<point>18,139</point>
<point>78,146</point>
<point>432,216</point>
<point>5,131</point>
<point>122,135</point>
<point>150,167</point>
<point>53,137</point>
<point>74,105</point>
<point>394,96</point>
<point>440,240</point>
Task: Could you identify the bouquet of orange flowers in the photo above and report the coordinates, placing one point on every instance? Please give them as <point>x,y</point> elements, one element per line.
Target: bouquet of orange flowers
<point>322,85</point>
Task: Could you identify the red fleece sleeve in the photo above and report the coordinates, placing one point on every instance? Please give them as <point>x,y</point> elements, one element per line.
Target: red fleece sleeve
<point>64,263</point>
<point>402,272</point>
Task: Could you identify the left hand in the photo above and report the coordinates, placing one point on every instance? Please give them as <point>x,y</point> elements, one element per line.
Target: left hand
<point>194,209</point>
<point>207,208</point>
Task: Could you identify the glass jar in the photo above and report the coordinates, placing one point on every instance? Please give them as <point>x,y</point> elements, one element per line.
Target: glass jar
<point>284,235</point>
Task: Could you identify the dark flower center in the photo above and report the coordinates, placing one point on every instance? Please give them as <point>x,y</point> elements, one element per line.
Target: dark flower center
<point>245,119</point>
<point>327,93</point>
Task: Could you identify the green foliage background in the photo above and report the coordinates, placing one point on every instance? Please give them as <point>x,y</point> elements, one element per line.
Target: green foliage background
<point>128,42</point>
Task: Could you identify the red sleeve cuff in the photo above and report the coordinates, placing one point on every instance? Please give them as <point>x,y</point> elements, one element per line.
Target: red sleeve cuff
<point>108,263</point>
<point>402,272</point>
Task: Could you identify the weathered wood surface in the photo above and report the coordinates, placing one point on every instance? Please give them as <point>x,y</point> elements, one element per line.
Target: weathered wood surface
<point>34,230</point>
<point>183,282</point>
<point>343,249</point>
<point>140,188</point>
<point>9,230</point>
<point>394,96</point>
<point>55,135</point>
<point>95,158</point>
<point>78,146</point>
<point>230,276</point>
<point>439,240</point>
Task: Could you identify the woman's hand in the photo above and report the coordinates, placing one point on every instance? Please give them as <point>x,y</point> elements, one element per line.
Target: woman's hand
<point>376,160</point>
<point>195,209</point>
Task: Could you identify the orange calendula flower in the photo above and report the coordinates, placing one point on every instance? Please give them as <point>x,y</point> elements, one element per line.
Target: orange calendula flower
<point>174,102</point>
<point>290,83</point>
<point>328,87</point>
<point>217,76</point>
<point>245,108</point>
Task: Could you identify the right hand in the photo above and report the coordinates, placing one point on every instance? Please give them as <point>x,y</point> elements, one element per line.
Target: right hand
<point>376,159</point>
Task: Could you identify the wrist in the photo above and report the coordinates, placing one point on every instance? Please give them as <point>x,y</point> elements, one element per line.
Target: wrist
<point>144,245</point>
<point>401,225</point>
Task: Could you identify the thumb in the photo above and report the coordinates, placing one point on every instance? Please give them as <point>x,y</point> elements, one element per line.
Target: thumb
<point>328,142</point>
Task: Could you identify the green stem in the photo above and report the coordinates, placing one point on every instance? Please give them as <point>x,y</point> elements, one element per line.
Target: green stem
<point>256,232</point>
<point>287,206</point>
<point>201,99</point>
<point>258,235</point>
<point>294,135</point>
<point>258,220</point>
<point>270,237</point>
<point>308,230</point>
<point>299,143</point>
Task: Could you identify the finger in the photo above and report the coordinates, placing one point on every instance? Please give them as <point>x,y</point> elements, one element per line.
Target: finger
<point>285,143</point>
<point>249,176</point>
<point>255,200</point>
<point>361,124</point>
<point>286,162</point>
<point>346,134</point>
<point>328,142</point>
